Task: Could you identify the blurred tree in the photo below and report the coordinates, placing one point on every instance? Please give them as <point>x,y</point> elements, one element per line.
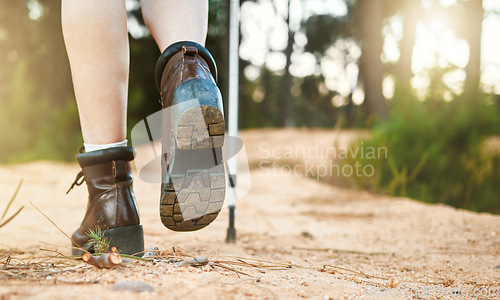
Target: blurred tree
<point>286,118</point>
<point>369,18</point>
<point>410,10</point>
<point>294,98</point>
<point>474,13</point>
<point>322,31</point>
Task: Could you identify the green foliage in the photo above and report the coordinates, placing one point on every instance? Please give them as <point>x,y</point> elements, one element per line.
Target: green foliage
<point>33,126</point>
<point>315,26</point>
<point>437,153</point>
<point>38,116</point>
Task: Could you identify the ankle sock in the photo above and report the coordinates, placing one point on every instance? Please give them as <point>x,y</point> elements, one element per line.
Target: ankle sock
<point>92,147</point>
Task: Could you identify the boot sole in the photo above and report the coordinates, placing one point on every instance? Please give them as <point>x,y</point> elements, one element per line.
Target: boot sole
<point>127,240</point>
<point>194,193</point>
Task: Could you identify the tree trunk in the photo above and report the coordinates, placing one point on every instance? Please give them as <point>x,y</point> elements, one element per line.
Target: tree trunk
<point>404,73</point>
<point>287,100</point>
<point>371,67</point>
<point>473,35</point>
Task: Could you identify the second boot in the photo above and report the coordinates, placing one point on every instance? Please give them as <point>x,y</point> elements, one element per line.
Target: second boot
<point>193,176</point>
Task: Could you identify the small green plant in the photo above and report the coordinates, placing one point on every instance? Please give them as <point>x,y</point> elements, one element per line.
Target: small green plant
<point>2,222</point>
<point>98,240</point>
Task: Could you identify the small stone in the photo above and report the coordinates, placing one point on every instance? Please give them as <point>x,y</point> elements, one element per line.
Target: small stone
<point>134,286</point>
<point>195,262</point>
<point>151,252</point>
<point>306,235</point>
<point>497,267</point>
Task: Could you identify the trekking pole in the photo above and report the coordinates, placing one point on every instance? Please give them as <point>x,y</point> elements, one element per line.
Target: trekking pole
<point>234,37</point>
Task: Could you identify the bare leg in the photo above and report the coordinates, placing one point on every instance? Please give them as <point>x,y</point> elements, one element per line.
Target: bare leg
<point>171,21</point>
<point>96,38</point>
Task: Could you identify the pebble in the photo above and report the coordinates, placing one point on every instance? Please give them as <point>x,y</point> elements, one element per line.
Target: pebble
<point>195,262</point>
<point>151,252</point>
<point>497,267</point>
<point>134,286</point>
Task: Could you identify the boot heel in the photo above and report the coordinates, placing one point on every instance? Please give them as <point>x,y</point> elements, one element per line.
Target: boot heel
<point>197,124</point>
<point>127,240</point>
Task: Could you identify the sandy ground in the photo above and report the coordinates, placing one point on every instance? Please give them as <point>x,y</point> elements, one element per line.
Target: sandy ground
<point>339,243</point>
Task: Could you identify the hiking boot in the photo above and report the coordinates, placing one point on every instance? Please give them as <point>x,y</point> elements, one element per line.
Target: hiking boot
<point>111,205</point>
<point>193,178</point>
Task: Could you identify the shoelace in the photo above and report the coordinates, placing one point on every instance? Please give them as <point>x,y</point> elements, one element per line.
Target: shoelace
<point>80,178</point>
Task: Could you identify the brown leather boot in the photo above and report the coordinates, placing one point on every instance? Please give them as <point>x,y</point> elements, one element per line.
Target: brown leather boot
<point>193,177</point>
<point>111,204</point>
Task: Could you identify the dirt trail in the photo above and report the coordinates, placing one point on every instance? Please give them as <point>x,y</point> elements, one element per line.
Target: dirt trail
<point>340,243</point>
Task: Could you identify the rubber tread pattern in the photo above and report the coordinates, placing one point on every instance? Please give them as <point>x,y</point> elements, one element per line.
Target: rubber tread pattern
<point>194,194</point>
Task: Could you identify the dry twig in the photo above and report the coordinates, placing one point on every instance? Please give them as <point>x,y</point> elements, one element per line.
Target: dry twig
<point>333,250</point>
<point>355,272</point>
<point>106,260</point>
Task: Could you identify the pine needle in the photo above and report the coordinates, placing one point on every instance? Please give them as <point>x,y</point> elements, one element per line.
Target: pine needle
<point>79,247</point>
<point>11,200</point>
<point>8,206</point>
<point>11,217</point>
